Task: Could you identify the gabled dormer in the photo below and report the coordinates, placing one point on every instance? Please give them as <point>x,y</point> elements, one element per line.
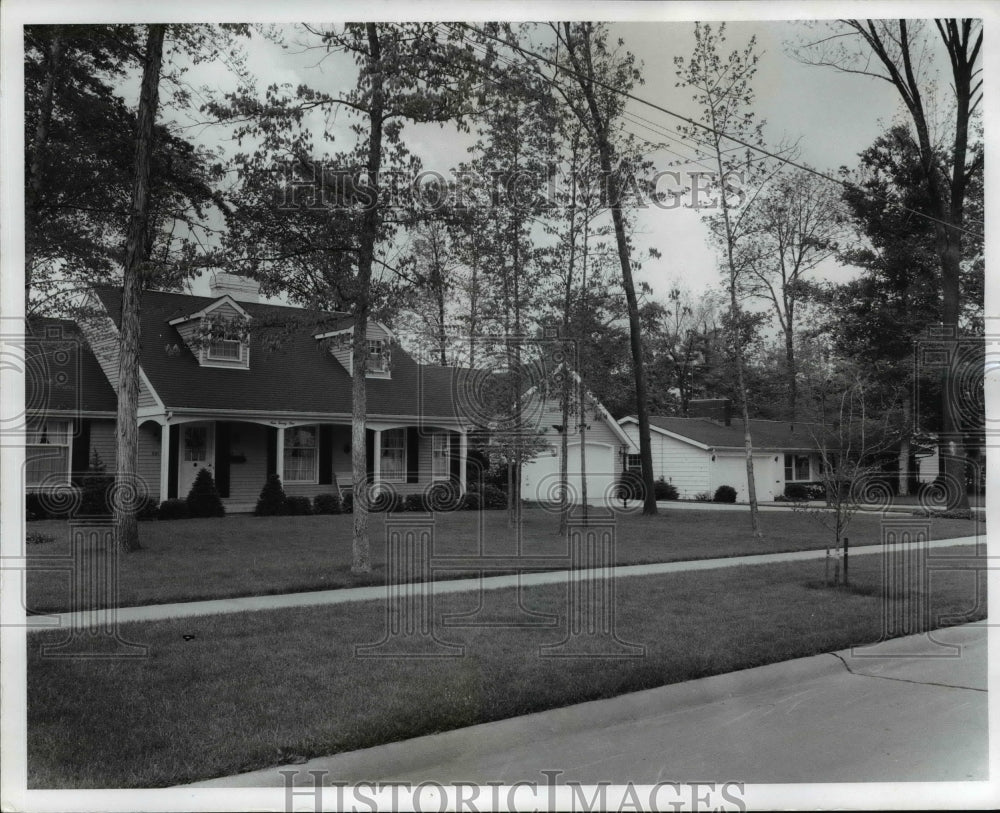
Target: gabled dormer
<point>379,339</point>
<point>218,334</point>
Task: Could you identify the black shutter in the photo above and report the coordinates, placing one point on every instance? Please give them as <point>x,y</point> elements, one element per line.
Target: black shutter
<point>325,454</point>
<point>174,444</point>
<point>81,449</point>
<point>222,453</point>
<point>370,454</point>
<point>412,454</point>
<point>456,461</point>
<point>272,450</point>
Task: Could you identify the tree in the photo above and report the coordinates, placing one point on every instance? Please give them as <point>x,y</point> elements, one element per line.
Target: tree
<point>795,225</point>
<point>319,232</point>
<point>599,78</point>
<point>136,256</point>
<point>894,51</point>
<point>722,88</point>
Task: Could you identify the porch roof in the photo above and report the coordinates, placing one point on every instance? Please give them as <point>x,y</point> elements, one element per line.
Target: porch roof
<point>290,371</point>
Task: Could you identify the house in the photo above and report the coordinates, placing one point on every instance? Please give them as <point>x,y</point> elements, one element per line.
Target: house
<point>243,389</point>
<point>596,456</point>
<point>702,452</point>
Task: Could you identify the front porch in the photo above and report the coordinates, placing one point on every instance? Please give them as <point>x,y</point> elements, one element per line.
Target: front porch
<point>311,458</point>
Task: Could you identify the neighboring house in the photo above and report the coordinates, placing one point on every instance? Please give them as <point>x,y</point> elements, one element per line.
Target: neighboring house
<point>268,390</point>
<point>700,453</point>
<point>602,457</point>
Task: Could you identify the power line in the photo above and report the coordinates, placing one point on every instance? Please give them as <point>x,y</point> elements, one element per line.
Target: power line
<point>698,124</point>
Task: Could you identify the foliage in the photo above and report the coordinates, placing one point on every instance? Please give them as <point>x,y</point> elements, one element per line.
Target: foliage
<point>664,490</point>
<point>96,485</point>
<point>385,500</point>
<point>347,502</point>
<point>173,509</point>
<point>629,487</point>
<point>203,499</point>
<point>724,494</point>
<point>327,504</point>
<point>491,497</point>
<point>38,538</point>
<point>297,505</point>
<point>271,501</point>
<point>702,496</point>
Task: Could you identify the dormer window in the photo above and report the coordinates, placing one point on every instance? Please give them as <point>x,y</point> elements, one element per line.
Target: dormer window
<point>218,335</point>
<point>226,349</point>
<point>378,361</point>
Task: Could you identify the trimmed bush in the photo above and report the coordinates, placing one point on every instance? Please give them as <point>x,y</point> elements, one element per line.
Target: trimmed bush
<point>724,494</point>
<point>326,504</point>
<point>796,492</point>
<point>386,500</point>
<point>702,496</point>
<point>271,502</point>
<point>629,487</point>
<point>415,502</point>
<point>203,499</point>
<point>347,502</point>
<point>663,490</point>
<point>297,506</point>
<point>472,501</point>
<point>38,538</point>
<point>148,509</point>
<point>173,509</point>
<point>492,498</point>
<point>95,485</point>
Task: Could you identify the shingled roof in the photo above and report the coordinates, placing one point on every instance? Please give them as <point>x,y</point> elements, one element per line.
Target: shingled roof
<point>290,370</point>
<point>63,374</point>
<point>767,435</point>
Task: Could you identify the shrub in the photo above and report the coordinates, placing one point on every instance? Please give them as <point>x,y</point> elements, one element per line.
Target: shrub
<point>148,509</point>
<point>173,509</point>
<point>271,502</point>
<point>472,501</point>
<point>203,499</point>
<point>796,492</point>
<point>492,498</point>
<point>347,502</point>
<point>663,490</point>
<point>33,508</point>
<point>326,504</point>
<point>38,538</point>
<point>724,494</point>
<point>95,485</point>
<point>386,499</point>
<point>703,496</point>
<point>443,497</point>
<point>415,502</point>
<point>298,506</point>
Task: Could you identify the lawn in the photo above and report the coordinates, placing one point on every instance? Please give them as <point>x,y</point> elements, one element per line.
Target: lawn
<point>241,555</point>
<point>219,695</point>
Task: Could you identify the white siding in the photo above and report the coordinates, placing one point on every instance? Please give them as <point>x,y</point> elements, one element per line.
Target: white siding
<point>677,462</point>
<point>730,469</point>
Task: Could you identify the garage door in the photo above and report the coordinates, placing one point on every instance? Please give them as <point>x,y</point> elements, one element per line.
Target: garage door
<point>541,476</point>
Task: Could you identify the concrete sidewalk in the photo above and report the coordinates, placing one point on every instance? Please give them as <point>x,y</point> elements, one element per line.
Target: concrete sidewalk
<point>897,711</point>
<point>157,612</point>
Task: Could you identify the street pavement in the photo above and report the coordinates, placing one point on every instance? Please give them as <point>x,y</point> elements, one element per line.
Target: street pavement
<point>912,709</point>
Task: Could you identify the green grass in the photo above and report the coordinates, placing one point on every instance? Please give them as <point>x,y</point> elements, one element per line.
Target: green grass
<point>188,560</point>
<point>257,689</point>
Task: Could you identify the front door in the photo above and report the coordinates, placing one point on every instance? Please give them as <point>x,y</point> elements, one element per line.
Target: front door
<point>196,453</point>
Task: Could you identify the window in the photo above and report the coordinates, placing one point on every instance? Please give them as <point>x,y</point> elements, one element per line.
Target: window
<point>633,462</point>
<point>226,349</point>
<point>796,467</point>
<point>195,444</point>
<point>377,357</point>
<point>301,458</point>
<point>392,465</point>
<point>225,341</point>
<point>441,466</point>
<point>47,453</point>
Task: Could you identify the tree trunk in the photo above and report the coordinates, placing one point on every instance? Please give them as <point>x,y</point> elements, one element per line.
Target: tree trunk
<point>790,368</point>
<point>904,447</point>
<point>127,423</point>
<point>361,545</point>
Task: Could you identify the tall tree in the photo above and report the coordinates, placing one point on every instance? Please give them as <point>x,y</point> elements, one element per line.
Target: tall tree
<point>894,51</point>
<point>724,91</point>
<point>136,255</point>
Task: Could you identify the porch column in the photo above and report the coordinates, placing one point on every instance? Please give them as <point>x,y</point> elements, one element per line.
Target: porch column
<point>463,453</point>
<point>165,430</point>
<point>279,454</point>
<point>377,454</point>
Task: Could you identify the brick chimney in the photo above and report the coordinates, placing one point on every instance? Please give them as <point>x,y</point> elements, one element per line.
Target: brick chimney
<point>716,409</point>
<point>239,288</point>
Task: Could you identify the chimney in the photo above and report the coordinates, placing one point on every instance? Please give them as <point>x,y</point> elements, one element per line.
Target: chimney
<point>715,409</point>
<point>239,288</point>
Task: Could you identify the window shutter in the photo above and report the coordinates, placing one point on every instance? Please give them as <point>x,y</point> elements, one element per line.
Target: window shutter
<point>174,444</point>
<point>412,454</point>
<point>272,450</point>
<point>81,449</point>
<point>456,461</point>
<point>370,454</point>
<point>222,453</point>
<point>325,454</point>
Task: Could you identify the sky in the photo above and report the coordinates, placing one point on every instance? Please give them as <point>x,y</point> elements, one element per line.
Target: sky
<point>830,116</point>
